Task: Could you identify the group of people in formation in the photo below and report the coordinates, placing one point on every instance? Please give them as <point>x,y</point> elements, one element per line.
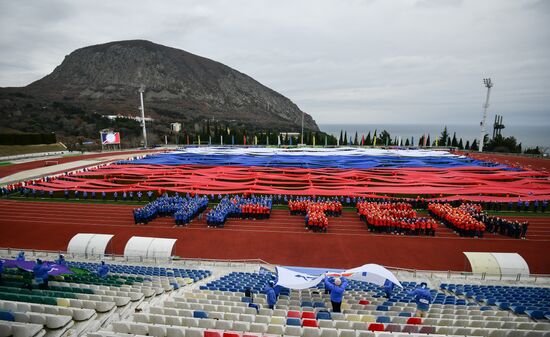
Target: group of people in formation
<point>397,218</point>
<point>183,209</point>
<point>459,219</point>
<point>254,207</point>
<point>335,287</point>
<point>316,211</point>
<point>301,205</point>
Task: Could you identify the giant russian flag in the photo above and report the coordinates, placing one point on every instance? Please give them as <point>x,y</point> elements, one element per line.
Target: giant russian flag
<point>313,171</point>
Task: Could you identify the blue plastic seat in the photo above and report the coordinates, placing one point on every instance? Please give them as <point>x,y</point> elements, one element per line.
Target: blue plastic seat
<point>405,314</point>
<point>383,319</point>
<point>324,315</point>
<point>293,321</point>
<point>200,314</point>
<point>535,314</point>
<point>382,308</point>
<point>6,316</point>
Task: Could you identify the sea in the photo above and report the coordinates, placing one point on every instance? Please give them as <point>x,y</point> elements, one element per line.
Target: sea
<point>527,135</point>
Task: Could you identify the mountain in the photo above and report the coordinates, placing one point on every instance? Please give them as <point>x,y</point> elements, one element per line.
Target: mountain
<point>179,87</point>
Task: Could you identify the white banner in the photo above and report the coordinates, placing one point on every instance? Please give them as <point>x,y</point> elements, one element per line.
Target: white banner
<point>371,273</point>
<point>293,280</point>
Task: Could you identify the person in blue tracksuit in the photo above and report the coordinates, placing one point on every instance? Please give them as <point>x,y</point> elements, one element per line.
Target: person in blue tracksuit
<point>103,270</point>
<point>40,271</point>
<point>423,298</point>
<point>20,256</point>
<point>388,288</point>
<point>270,292</point>
<point>336,286</point>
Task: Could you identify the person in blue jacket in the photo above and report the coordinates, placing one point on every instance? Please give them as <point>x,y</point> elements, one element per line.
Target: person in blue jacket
<point>423,298</point>
<point>20,256</point>
<point>388,288</point>
<point>1,269</point>
<point>270,292</point>
<point>103,270</point>
<point>61,260</point>
<point>40,271</point>
<point>336,286</point>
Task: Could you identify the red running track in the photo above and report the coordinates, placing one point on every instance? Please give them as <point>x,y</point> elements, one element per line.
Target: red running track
<point>280,240</point>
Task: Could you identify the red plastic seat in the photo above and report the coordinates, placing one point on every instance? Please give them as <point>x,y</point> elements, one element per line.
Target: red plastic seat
<point>376,327</point>
<point>414,320</point>
<point>293,314</point>
<point>308,314</point>
<point>208,333</point>
<point>231,334</point>
<point>364,302</point>
<point>309,322</point>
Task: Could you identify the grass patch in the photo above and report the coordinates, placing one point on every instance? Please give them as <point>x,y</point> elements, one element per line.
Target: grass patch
<point>13,150</point>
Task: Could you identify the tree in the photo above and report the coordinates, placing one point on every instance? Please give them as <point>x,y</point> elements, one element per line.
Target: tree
<point>356,140</point>
<point>460,145</point>
<point>345,138</point>
<point>421,140</point>
<point>428,140</point>
<point>384,138</point>
<point>407,142</point>
<point>340,140</point>
<point>443,138</point>
<point>467,147</point>
<point>448,141</point>
<point>368,140</point>
<point>474,146</point>
<point>454,142</point>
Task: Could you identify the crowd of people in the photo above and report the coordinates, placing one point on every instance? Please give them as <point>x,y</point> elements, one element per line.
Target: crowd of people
<point>395,218</point>
<point>301,205</point>
<point>255,207</point>
<point>316,211</point>
<point>497,225</point>
<point>458,219</point>
<point>183,209</point>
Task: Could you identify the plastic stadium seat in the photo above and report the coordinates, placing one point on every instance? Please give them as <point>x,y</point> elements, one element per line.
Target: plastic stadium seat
<point>293,321</point>
<point>6,316</point>
<point>405,314</point>
<point>383,319</point>
<point>308,314</point>
<point>376,327</point>
<point>393,328</point>
<point>382,308</point>
<point>410,329</point>
<point>208,333</point>
<point>309,322</point>
<point>364,302</point>
<point>293,314</point>
<point>427,329</point>
<point>200,314</point>
<point>323,315</point>
<point>311,332</point>
<point>518,309</point>
<point>535,314</point>
<point>414,320</point>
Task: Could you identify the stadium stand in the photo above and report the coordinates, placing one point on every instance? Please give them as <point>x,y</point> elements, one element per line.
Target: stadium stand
<point>141,299</point>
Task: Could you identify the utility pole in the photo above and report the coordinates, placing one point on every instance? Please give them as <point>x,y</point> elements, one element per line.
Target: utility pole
<point>141,90</point>
<point>488,84</point>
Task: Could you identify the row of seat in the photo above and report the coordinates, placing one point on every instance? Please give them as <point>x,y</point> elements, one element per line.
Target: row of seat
<point>18,329</point>
<point>77,314</point>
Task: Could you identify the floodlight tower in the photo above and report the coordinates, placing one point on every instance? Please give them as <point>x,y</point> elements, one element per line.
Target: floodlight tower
<point>488,84</point>
<point>142,108</point>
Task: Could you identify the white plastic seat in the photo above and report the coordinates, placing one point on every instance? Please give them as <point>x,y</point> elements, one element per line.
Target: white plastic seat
<point>157,331</point>
<point>139,329</point>
<point>240,326</point>
<point>173,331</point>
<point>207,323</point>
<point>347,333</point>
<point>293,330</point>
<point>326,332</point>
<point>275,329</point>
<point>258,327</point>
<point>311,332</point>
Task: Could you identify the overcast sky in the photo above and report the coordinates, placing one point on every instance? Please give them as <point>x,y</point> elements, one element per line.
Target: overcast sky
<point>354,61</point>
